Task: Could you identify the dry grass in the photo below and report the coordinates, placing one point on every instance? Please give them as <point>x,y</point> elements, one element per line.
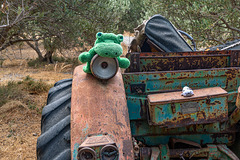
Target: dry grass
<point>18,91</point>
<point>21,104</point>
<point>23,93</point>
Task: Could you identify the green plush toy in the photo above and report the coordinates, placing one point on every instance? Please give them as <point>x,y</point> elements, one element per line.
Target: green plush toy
<point>106,45</point>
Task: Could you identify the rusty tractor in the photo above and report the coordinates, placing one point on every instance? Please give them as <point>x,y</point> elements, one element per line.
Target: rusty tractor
<point>140,113</point>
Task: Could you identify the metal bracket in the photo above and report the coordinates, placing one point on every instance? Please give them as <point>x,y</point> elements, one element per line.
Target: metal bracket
<point>155,153</point>
<point>234,59</point>
<point>138,88</point>
<point>135,62</point>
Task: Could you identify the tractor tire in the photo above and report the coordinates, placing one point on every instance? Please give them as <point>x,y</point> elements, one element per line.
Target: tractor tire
<point>54,141</point>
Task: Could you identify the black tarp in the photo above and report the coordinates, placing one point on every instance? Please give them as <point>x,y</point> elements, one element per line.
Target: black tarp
<point>163,34</point>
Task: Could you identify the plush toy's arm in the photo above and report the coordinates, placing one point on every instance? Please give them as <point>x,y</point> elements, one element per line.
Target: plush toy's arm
<point>123,62</point>
<point>86,56</point>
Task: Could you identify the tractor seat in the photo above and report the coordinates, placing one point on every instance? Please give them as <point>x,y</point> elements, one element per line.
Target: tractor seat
<point>158,35</point>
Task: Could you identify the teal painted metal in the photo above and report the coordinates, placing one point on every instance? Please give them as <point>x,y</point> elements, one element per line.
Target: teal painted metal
<point>177,114</point>
<point>164,152</point>
<point>159,82</point>
<point>202,139</point>
<point>75,151</point>
<point>142,128</point>
<point>137,107</point>
<point>139,85</point>
<point>227,78</point>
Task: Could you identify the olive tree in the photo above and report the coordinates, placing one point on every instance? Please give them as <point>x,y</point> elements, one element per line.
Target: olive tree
<point>210,22</point>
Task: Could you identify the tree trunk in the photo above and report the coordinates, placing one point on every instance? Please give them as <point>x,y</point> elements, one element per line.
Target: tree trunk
<point>48,57</point>
<point>36,48</point>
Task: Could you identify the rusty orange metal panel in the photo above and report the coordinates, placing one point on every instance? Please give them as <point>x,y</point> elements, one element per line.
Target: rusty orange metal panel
<point>99,107</point>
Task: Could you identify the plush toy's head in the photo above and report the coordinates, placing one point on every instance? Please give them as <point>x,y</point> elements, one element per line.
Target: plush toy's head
<point>108,45</point>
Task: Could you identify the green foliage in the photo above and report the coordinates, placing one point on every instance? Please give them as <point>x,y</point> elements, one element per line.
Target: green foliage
<point>10,91</point>
<point>35,87</point>
<point>134,14</point>
<point>32,106</point>
<point>210,22</point>
<point>63,24</point>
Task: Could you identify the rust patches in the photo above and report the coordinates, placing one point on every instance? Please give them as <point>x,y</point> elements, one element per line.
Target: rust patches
<point>198,53</point>
<point>169,82</point>
<point>127,148</point>
<point>99,107</point>
<point>191,111</point>
<point>186,61</point>
<point>230,136</point>
<point>231,74</point>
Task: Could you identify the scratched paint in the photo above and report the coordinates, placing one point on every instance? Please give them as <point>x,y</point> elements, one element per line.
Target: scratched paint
<point>170,113</point>
<point>167,81</point>
<point>162,73</point>
<point>166,72</point>
<point>185,60</point>
<point>85,129</point>
<point>99,107</point>
<point>75,151</point>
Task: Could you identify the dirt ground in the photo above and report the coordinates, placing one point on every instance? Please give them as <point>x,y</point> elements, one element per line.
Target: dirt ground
<point>20,123</point>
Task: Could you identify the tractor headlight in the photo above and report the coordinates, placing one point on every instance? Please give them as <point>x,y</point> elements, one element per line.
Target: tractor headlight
<point>109,152</point>
<point>104,67</point>
<point>87,153</point>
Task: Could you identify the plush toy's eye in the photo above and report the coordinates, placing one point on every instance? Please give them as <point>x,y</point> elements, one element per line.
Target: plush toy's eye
<point>99,34</point>
<point>120,38</point>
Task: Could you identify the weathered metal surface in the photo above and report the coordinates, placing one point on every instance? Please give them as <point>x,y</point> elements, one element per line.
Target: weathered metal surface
<point>170,110</point>
<point>155,153</point>
<point>209,152</point>
<point>234,58</point>
<point>145,153</point>
<point>235,116</point>
<point>138,88</point>
<point>179,153</point>
<point>202,139</point>
<point>227,152</point>
<point>174,97</point>
<point>162,73</point>
<point>175,142</point>
<point>135,62</point>
<point>165,81</point>
<point>169,81</point>
<point>184,60</point>
<point>142,128</point>
<point>99,107</point>
<point>137,107</point>
<point>164,155</point>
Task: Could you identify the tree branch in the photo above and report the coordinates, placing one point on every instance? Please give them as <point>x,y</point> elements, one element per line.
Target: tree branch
<point>228,26</point>
<point>4,46</point>
<point>215,40</point>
